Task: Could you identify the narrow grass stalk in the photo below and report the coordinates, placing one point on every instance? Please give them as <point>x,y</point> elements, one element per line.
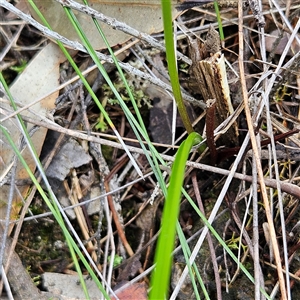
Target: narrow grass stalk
<point>161,277</point>
<point>192,268</point>
<point>216,6</point>
<point>172,64</point>
<point>135,107</point>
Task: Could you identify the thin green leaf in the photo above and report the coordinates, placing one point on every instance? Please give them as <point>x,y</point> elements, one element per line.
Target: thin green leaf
<point>172,64</point>
<point>161,276</point>
<point>187,252</point>
<point>221,32</point>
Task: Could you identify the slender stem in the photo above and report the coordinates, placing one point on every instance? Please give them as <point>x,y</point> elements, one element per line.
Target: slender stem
<point>172,64</point>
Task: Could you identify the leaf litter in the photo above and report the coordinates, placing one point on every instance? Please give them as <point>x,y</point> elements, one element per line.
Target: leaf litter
<point>139,220</point>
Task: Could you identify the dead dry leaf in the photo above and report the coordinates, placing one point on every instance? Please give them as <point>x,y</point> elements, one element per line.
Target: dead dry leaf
<point>40,77</point>
<point>144,16</point>
<point>135,291</point>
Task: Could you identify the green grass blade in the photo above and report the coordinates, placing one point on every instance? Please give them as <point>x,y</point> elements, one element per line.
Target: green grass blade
<point>187,252</point>
<point>172,64</point>
<point>135,107</point>
<point>161,276</point>
<point>221,32</point>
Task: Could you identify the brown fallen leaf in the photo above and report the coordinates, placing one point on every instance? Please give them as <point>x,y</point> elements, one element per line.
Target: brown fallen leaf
<point>134,291</point>
<point>27,88</point>
<point>149,19</point>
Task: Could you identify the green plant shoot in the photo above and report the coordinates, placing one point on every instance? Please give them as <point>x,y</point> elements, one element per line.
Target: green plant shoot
<point>163,258</point>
